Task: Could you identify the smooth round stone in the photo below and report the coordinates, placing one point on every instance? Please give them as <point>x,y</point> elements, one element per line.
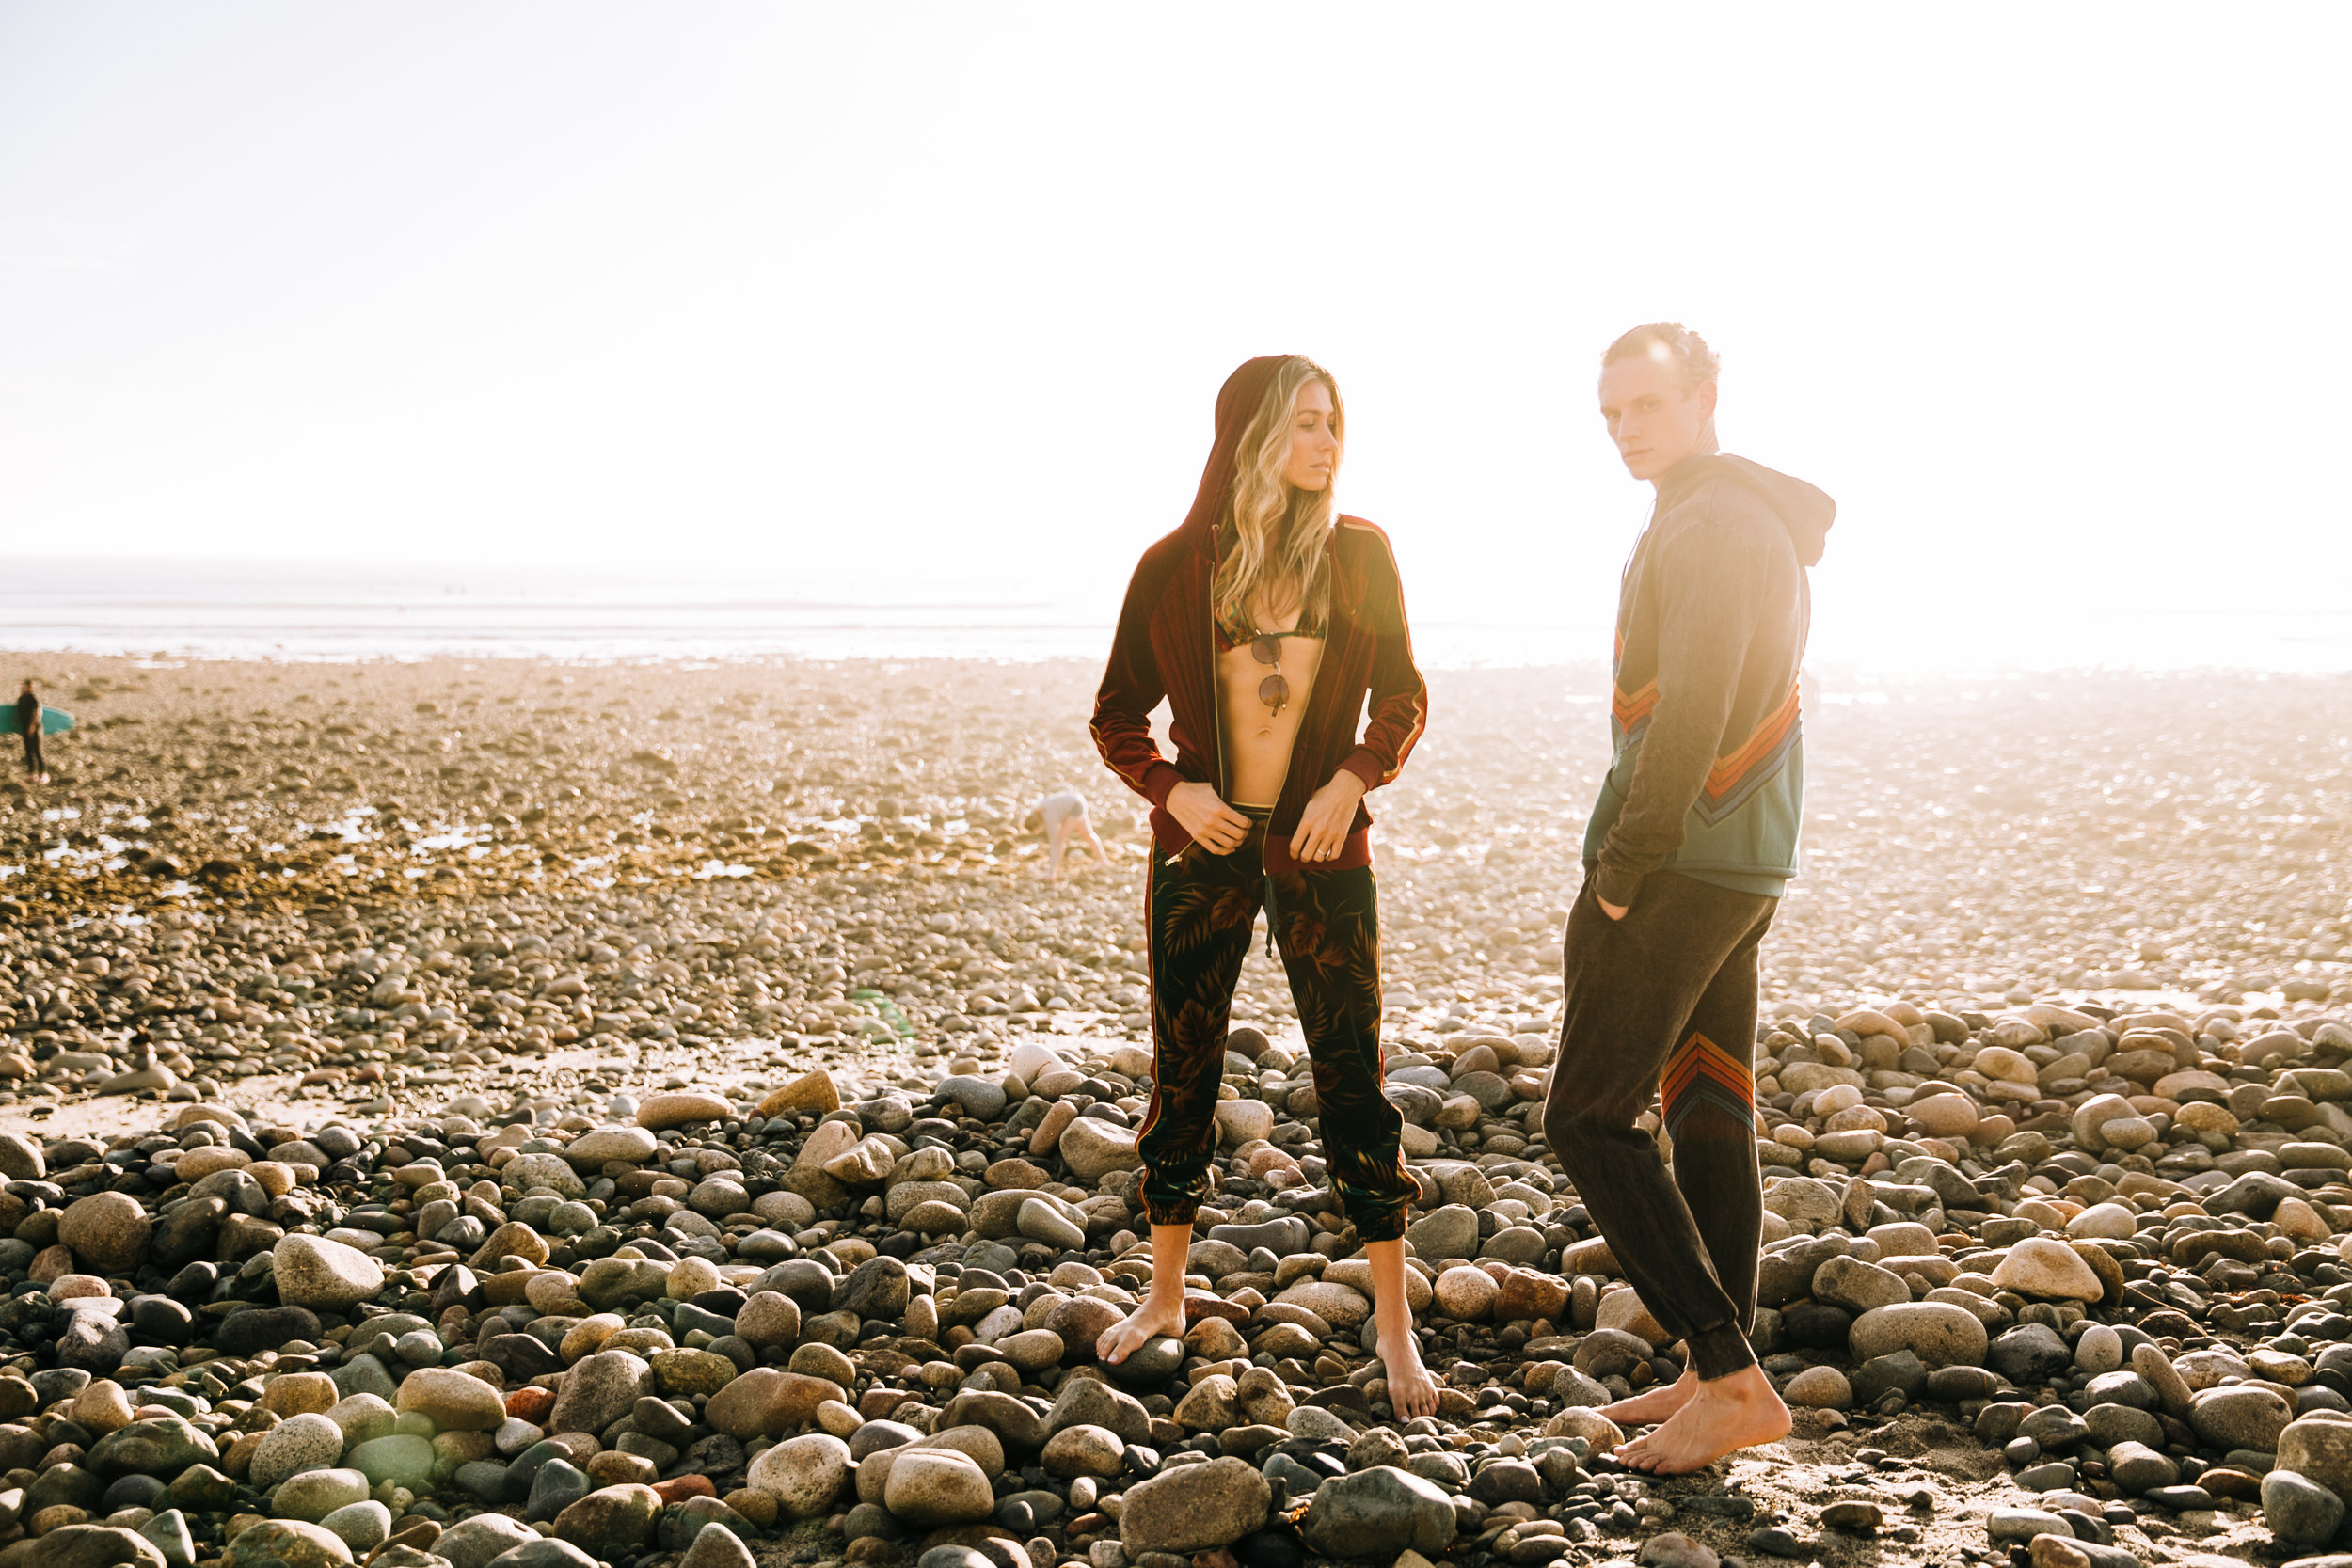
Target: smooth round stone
<point>1152,1363</point>
<point>1092,1148</point>
<point>324,1275</point>
<point>75,1286</point>
<point>631,1145</point>
<point>1032,1350</point>
<point>2125,1133</point>
<point>1465,1293</point>
<point>804,1475</point>
<point>514,1434</point>
<point>1943,1116</point>
<point>315,1494</point>
<point>612,1522</point>
<point>527,1172</point>
<point>2298,1510</point>
<point>1240,1121</point>
<point>979,1098</point>
<point>1939,1334</point>
<point>571,1218</point>
<point>1340,1307</point>
<point>1858,1287</point>
<point>1521,1244</point>
<point>1821,1388</point>
<point>658,1113</point>
<point>769,1318</point>
<point>396,1461</point>
<point>2239,1416</point>
<point>361,1526</point>
<point>1080,1320</point>
<point>104,1407</point>
<point>2099,1350</point>
<point>1041,1220</point>
<point>1084,1450</point>
<point>107,1231</point>
<point>451,1400</point>
<point>2136,1467</point>
<point>691,1276</point>
<point>306,1442</point>
<point>555,1485</point>
<point>286,1543</point>
<point>2112,1222</point>
<point>2319,1449</point>
<point>937,1486</point>
<point>2039,1266</point>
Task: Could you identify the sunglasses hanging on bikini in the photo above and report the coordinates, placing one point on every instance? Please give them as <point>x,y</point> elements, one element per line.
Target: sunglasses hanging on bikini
<point>1275,691</point>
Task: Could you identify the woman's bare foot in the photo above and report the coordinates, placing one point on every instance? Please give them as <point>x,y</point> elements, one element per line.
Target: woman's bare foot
<point>1412,1391</point>
<point>1156,1317</point>
<point>1722,1416</point>
<point>1648,1409</point>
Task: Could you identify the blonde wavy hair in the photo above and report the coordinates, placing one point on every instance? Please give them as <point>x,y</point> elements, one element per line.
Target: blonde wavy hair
<point>1278,532</point>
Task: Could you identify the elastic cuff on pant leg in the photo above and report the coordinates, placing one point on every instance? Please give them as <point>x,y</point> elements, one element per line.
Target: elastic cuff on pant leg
<point>1174,1212</point>
<point>1720,1352</point>
<point>1383,1225</point>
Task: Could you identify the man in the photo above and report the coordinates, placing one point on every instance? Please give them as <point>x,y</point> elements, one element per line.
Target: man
<point>28,721</point>
<point>1688,847</point>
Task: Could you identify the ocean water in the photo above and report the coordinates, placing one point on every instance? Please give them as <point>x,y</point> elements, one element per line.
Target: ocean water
<point>212,610</point>
<point>341,613</point>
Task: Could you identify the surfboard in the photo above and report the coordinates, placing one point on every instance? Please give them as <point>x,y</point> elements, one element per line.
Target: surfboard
<point>53,721</point>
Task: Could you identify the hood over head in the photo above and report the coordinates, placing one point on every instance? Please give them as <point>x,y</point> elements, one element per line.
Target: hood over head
<point>1236,401</point>
<point>1804,510</point>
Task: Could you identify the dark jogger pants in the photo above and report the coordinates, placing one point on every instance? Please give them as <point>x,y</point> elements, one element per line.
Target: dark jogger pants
<point>1663,1003</point>
<point>32,752</point>
<point>1200,910</point>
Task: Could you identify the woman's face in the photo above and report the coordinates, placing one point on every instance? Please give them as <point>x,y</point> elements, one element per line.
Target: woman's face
<point>1314,454</point>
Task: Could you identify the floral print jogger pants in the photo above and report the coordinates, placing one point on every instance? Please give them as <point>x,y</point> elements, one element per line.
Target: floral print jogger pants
<point>1201,910</point>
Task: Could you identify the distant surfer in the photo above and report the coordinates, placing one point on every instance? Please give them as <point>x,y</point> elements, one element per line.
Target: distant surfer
<point>1063,816</point>
<point>28,721</point>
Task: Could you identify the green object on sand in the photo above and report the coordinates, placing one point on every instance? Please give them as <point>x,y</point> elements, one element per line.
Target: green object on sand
<point>53,721</point>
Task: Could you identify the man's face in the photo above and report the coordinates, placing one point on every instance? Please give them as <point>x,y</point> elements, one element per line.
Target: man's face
<point>1655,421</point>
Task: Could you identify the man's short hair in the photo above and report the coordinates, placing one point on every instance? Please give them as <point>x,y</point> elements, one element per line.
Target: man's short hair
<point>1672,344</point>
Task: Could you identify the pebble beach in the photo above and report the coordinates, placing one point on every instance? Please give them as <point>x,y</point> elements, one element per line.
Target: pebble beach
<point>549,1115</point>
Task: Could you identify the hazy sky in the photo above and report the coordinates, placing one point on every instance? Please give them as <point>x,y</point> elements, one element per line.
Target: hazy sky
<point>936,298</point>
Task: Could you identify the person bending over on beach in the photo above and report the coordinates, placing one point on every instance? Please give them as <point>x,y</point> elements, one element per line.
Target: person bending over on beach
<point>1063,816</point>
<point>28,721</point>
<point>1265,622</point>
<point>1687,851</point>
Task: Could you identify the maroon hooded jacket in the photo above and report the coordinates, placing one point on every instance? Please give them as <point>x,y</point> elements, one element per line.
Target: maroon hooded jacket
<point>1168,646</point>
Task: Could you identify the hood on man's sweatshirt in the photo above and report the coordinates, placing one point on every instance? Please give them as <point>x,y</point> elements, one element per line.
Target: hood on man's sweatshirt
<point>1804,510</point>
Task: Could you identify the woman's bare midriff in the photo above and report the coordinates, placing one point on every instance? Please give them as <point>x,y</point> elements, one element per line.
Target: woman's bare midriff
<point>1258,740</point>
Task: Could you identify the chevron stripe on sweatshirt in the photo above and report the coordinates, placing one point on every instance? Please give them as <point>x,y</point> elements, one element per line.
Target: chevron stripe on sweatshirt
<point>1630,711</point>
<point>1750,766</point>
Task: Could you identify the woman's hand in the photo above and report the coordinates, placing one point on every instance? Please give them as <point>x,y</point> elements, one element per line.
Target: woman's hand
<point>1213,824</point>
<point>1323,826</point>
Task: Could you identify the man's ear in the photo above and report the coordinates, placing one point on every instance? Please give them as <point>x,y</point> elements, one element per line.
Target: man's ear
<point>1707,392</point>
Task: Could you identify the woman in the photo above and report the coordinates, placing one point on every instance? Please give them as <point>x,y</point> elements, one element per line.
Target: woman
<point>1265,623</point>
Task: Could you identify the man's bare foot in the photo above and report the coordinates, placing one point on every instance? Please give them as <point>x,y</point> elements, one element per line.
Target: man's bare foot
<point>1412,1391</point>
<point>1152,1319</point>
<point>1723,1414</point>
<point>1648,1409</point>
